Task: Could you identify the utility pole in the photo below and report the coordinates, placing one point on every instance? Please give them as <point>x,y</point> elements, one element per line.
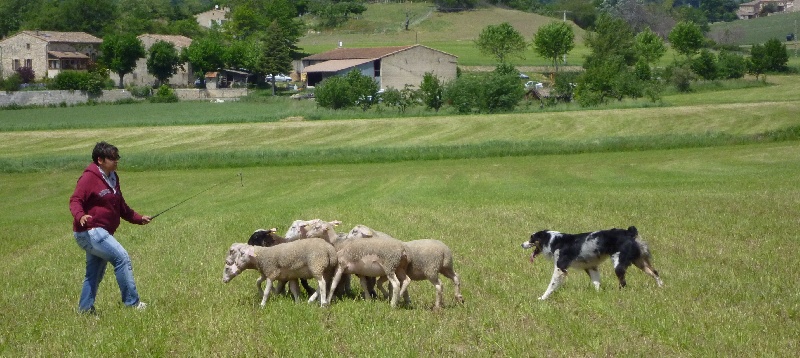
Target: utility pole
<point>565,20</point>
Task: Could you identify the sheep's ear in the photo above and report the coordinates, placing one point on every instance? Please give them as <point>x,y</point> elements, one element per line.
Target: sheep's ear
<point>250,251</point>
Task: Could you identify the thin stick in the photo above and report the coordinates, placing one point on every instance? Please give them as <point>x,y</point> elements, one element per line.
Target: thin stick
<point>187,199</point>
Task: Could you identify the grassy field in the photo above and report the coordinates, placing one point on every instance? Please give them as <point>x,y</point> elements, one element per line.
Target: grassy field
<point>709,186</point>
<point>382,25</point>
<point>748,32</point>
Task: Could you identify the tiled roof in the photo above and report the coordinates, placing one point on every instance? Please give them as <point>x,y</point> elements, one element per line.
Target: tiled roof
<point>70,37</point>
<point>335,65</point>
<point>66,54</point>
<point>177,40</point>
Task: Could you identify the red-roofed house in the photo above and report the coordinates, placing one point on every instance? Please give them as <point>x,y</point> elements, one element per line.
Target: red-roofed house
<point>391,67</point>
<point>47,52</point>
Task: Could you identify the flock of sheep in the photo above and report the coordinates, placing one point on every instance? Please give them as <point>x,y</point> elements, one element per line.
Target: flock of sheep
<point>313,249</point>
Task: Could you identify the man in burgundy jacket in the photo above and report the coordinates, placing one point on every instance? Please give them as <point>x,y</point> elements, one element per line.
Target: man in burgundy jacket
<point>97,206</point>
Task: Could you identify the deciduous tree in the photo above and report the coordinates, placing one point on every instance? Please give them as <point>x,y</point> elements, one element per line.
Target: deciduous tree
<point>119,53</point>
<point>501,42</point>
<point>163,61</point>
<point>554,40</point>
<point>686,38</point>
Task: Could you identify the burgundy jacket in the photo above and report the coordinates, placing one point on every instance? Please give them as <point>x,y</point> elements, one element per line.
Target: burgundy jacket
<point>95,197</point>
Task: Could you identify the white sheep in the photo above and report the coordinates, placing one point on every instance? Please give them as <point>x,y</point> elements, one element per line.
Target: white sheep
<point>312,258</point>
<point>427,259</point>
<point>368,257</point>
<point>270,237</point>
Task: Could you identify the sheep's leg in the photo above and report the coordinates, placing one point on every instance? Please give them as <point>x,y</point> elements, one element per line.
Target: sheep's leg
<point>404,287</point>
<point>365,290</point>
<point>322,290</point>
<point>336,278</point>
<point>379,284</point>
<point>438,285</point>
<point>294,288</point>
<point>396,288</point>
<point>258,285</point>
<point>266,293</point>
<point>280,287</point>
<point>451,274</point>
<point>309,290</point>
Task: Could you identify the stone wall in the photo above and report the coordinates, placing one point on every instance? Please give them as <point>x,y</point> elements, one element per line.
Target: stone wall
<point>46,98</point>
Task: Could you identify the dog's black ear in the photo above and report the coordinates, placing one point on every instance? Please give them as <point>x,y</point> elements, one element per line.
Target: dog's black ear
<point>632,230</point>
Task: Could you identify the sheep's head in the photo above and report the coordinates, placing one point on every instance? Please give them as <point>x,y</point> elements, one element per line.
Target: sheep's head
<point>297,230</point>
<point>263,237</point>
<point>304,229</point>
<point>360,232</point>
<point>239,258</point>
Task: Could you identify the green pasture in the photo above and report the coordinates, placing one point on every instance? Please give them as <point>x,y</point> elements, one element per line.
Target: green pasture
<point>720,221</point>
<point>454,33</point>
<point>709,180</point>
<point>759,30</point>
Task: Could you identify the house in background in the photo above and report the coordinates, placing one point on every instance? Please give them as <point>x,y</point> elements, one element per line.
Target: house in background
<point>752,9</point>
<point>209,18</point>
<point>47,52</point>
<point>392,67</point>
<point>140,76</point>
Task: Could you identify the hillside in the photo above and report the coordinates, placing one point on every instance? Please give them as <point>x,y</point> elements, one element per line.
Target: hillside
<point>382,25</point>
<point>748,32</point>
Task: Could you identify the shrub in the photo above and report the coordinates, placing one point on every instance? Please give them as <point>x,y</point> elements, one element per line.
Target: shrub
<point>705,65</point>
<point>334,93</point>
<point>139,91</point>
<point>679,76</point>
<point>731,65</point>
<point>776,55</point>
<point>91,83</point>
<point>431,91</point>
<point>26,74</point>
<point>165,94</point>
<point>11,83</point>
<point>402,99</point>
<point>463,93</point>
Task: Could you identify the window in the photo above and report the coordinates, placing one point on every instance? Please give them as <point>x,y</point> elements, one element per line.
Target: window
<point>54,64</point>
<point>28,46</point>
<point>15,65</point>
<point>28,63</point>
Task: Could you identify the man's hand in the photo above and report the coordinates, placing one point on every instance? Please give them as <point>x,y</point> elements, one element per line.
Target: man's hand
<point>146,220</point>
<point>85,219</point>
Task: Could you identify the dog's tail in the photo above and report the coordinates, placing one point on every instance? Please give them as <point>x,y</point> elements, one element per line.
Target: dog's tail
<point>645,262</point>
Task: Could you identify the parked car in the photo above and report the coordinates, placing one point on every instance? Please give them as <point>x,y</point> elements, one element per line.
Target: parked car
<point>279,78</point>
<point>523,76</point>
<point>533,84</point>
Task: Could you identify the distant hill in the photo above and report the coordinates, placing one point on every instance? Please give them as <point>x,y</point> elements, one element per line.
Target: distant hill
<point>383,25</point>
<point>759,30</point>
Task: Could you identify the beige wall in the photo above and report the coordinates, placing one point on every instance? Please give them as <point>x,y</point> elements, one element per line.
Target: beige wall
<point>409,66</point>
<point>23,47</point>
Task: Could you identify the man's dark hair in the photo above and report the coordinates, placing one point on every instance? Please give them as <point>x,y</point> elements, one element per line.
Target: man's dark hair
<point>105,151</point>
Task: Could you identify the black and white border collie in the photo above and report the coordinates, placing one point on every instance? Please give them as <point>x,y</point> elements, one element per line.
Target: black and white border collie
<point>587,250</point>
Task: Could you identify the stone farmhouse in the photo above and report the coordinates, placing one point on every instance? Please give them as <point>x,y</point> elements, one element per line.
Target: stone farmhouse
<point>47,52</point>
<point>752,9</point>
<point>391,67</point>
<point>140,77</point>
<point>209,18</point>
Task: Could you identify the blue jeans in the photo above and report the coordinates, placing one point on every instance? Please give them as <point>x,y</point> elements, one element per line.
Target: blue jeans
<point>102,248</point>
